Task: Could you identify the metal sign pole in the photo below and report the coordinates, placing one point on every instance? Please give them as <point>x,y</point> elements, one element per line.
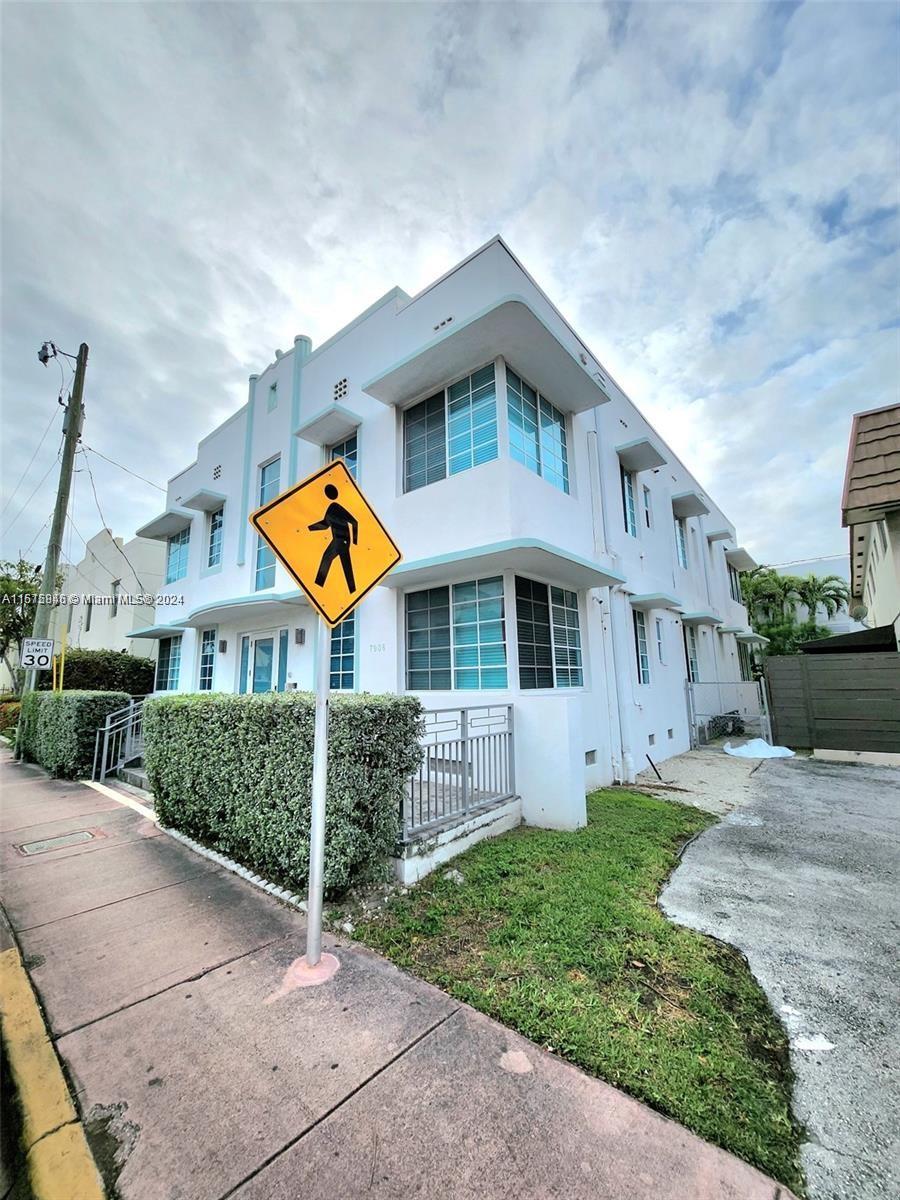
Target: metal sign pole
<point>317,815</point>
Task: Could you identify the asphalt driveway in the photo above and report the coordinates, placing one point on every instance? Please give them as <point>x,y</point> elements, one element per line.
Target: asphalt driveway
<point>803,878</point>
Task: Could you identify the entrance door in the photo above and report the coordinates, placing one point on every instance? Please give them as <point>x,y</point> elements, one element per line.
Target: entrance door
<point>262,664</point>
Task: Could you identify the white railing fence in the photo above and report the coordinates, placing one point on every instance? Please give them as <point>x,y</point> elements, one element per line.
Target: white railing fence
<point>468,764</point>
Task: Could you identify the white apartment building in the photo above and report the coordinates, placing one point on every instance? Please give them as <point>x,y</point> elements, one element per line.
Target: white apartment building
<point>558,557</point>
<point>108,579</point>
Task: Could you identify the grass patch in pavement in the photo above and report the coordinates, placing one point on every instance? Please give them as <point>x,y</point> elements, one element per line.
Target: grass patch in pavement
<point>558,935</point>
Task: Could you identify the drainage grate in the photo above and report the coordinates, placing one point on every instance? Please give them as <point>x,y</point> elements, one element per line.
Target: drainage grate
<point>57,843</point>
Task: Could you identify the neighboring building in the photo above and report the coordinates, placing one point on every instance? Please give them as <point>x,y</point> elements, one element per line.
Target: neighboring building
<point>835,564</point>
<point>108,579</point>
<point>871,511</point>
<point>557,555</point>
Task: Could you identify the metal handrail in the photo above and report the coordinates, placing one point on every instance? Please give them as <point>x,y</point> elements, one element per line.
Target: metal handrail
<point>121,732</point>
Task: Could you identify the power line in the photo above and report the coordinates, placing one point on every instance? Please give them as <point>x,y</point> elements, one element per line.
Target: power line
<point>12,497</point>
<point>105,526</point>
<point>36,536</point>
<point>34,493</point>
<point>96,559</point>
<point>124,468</point>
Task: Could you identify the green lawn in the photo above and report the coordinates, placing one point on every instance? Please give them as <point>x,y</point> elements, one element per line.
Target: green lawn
<point>558,935</point>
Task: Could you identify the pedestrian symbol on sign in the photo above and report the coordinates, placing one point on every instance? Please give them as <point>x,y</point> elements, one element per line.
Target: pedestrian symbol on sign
<point>340,522</point>
<point>322,522</point>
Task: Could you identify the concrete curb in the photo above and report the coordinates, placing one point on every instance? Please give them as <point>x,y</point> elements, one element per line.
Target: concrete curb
<point>229,864</point>
<point>235,868</point>
<point>57,1156</point>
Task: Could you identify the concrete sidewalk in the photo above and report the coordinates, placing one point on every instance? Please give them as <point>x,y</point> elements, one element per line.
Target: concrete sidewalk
<point>202,1075</point>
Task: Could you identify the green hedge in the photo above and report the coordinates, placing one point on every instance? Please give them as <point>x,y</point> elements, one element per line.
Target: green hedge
<point>59,728</point>
<point>235,772</point>
<point>103,671</point>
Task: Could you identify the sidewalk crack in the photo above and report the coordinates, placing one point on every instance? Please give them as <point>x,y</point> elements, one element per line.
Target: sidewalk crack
<point>48,1132</point>
<point>122,900</point>
<point>57,1037</point>
<point>340,1104</point>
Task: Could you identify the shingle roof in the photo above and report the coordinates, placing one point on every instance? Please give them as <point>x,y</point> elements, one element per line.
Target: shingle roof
<point>872,481</point>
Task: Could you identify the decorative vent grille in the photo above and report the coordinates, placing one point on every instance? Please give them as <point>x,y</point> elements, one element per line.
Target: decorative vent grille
<point>217,471</point>
<point>441,324</point>
<point>340,389</point>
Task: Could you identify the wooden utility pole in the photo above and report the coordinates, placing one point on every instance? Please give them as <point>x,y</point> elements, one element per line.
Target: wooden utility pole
<point>74,419</point>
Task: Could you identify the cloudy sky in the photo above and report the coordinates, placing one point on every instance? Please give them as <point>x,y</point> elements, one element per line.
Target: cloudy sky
<point>709,192</point>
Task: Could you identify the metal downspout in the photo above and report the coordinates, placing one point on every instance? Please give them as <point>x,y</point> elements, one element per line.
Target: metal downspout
<point>622,761</point>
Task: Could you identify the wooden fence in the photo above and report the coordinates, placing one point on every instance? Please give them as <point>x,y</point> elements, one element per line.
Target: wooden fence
<point>835,701</point>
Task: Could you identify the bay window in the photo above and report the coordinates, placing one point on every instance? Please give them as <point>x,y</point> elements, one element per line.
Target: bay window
<point>537,432</point>
<point>451,431</point>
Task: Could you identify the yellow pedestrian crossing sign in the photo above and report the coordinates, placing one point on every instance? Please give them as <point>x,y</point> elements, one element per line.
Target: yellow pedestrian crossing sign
<point>326,534</point>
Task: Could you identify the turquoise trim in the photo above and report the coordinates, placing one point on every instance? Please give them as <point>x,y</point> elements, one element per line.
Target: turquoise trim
<point>700,618</point>
<point>300,343</point>
<point>510,298</point>
<point>245,487</point>
<point>658,600</point>
<point>253,598</point>
<point>282,659</point>
<point>396,293</point>
<point>497,547</point>
<point>354,418</point>
<point>157,631</point>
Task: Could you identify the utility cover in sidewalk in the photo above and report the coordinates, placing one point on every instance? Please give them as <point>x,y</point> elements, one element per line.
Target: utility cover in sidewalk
<point>57,843</point>
<point>327,535</point>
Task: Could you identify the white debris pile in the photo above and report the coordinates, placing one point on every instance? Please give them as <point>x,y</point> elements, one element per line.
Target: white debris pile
<point>757,748</point>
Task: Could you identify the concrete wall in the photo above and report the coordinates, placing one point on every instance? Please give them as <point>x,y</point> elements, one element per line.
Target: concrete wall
<point>138,567</point>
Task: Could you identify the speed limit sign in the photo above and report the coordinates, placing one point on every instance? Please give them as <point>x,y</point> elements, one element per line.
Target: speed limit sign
<point>37,654</point>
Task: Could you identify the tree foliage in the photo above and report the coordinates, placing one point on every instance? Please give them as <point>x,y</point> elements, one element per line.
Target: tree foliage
<point>773,601</point>
<point>20,585</point>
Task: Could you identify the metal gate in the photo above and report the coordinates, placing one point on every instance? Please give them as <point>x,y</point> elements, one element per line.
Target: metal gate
<point>727,710</point>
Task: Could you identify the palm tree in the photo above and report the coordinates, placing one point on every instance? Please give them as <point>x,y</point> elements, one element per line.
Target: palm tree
<point>770,596</point>
<point>828,591</point>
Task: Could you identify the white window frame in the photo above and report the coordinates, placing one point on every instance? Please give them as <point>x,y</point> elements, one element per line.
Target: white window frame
<point>648,507</point>
<point>681,549</point>
<point>641,647</point>
<point>692,653</point>
<point>220,511</point>
<point>629,508</point>
<point>660,640</point>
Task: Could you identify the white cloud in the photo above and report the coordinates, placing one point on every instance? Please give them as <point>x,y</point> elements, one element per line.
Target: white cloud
<point>187,187</point>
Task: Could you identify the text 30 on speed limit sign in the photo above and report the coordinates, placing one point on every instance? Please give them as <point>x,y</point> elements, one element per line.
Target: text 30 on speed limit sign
<point>37,654</point>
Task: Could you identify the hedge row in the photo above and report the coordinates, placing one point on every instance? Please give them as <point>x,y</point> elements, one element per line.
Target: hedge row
<point>59,728</point>
<point>235,772</point>
<point>103,671</point>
